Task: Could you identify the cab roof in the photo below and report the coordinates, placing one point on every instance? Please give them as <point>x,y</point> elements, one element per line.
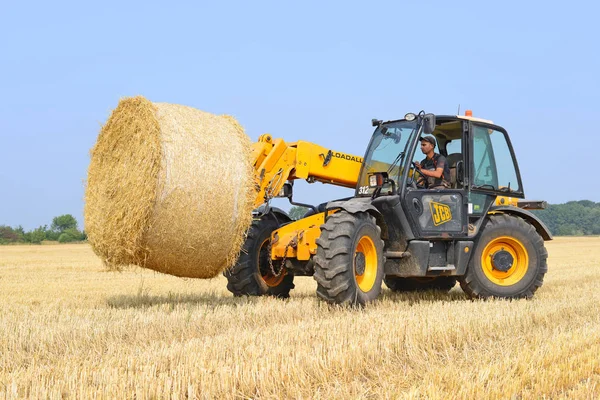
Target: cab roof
<point>463,117</point>
<point>487,121</point>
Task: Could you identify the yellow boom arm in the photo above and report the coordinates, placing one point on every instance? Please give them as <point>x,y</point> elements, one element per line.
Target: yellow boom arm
<point>276,161</point>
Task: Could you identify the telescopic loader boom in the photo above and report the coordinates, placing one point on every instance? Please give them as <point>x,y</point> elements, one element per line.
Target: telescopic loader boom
<point>276,162</point>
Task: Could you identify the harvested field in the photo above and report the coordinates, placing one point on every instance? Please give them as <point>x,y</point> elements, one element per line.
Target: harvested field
<point>68,328</point>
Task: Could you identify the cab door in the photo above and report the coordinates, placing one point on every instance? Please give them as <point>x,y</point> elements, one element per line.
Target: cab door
<point>437,213</point>
<point>493,169</point>
<point>440,213</point>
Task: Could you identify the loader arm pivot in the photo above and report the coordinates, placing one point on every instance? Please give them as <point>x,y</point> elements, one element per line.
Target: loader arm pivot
<point>276,162</point>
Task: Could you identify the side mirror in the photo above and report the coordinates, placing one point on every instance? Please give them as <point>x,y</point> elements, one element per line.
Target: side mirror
<point>286,191</point>
<point>428,123</point>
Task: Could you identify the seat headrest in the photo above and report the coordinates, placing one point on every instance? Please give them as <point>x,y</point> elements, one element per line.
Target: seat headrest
<point>453,158</point>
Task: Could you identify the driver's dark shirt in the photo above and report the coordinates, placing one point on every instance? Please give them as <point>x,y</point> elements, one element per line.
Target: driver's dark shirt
<point>437,161</point>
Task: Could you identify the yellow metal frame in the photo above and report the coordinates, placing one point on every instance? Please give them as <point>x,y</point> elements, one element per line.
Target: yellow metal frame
<point>276,162</point>
<point>341,170</point>
<point>299,237</point>
<point>506,201</point>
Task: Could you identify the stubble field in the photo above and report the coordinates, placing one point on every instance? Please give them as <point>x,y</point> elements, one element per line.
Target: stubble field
<point>70,329</point>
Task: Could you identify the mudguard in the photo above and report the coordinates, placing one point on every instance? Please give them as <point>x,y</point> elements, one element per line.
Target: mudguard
<point>280,216</point>
<point>358,204</point>
<point>530,217</point>
<point>354,205</point>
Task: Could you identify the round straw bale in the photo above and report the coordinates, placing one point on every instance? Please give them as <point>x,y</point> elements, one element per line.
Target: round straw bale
<point>169,188</point>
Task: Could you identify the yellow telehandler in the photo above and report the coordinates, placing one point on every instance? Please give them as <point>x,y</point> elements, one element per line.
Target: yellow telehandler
<point>477,230</point>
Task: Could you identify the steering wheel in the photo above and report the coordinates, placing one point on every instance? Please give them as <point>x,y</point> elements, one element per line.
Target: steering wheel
<point>413,180</point>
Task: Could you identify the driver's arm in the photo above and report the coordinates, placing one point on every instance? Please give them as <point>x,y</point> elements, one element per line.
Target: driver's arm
<point>434,174</point>
<point>439,171</point>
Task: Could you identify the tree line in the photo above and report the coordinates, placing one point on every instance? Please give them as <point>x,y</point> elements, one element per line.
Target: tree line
<point>63,229</point>
<point>574,218</point>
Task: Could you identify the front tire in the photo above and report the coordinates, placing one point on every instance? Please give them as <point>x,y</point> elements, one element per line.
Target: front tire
<point>251,275</point>
<point>349,260</point>
<point>509,260</point>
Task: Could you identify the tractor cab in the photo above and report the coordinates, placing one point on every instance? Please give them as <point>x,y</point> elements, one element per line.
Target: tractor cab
<point>482,169</point>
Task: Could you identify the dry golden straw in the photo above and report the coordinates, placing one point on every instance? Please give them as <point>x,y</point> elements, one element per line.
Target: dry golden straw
<point>169,188</point>
<point>70,330</point>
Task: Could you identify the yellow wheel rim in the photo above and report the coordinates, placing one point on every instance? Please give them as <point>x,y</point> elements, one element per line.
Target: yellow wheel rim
<point>263,266</point>
<point>520,263</point>
<point>366,280</point>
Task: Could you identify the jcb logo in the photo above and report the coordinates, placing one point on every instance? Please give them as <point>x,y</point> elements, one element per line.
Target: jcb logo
<point>440,213</point>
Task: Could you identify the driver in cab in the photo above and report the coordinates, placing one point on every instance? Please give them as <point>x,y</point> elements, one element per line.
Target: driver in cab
<point>434,170</point>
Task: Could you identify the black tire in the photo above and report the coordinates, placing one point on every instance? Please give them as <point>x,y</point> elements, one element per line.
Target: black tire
<point>517,276</point>
<point>349,244</point>
<point>441,283</point>
<point>251,274</point>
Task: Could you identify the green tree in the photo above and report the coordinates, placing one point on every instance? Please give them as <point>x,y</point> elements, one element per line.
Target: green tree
<point>71,235</point>
<point>37,235</point>
<point>63,222</point>
<point>572,218</point>
<point>297,212</point>
<point>75,234</point>
<point>20,231</point>
<point>9,235</point>
<point>52,235</point>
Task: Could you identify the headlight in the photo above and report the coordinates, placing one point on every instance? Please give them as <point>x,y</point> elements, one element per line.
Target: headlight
<point>373,180</point>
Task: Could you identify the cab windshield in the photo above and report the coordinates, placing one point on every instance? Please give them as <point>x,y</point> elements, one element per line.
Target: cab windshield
<point>386,153</point>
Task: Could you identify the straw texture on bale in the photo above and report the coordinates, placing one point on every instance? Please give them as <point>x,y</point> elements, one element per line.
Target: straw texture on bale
<point>169,188</point>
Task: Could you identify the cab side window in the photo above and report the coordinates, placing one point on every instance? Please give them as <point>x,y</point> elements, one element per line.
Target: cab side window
<point>453,146</point>
<point>493,165</point>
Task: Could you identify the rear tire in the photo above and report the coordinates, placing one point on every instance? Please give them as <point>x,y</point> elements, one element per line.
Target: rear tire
<point>509,260</point>
<point>349,260</point>
<point>251,275</point>
<point>441,283</point>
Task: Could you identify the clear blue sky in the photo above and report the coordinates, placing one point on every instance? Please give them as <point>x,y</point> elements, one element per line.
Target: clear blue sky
<point>317,71</point>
